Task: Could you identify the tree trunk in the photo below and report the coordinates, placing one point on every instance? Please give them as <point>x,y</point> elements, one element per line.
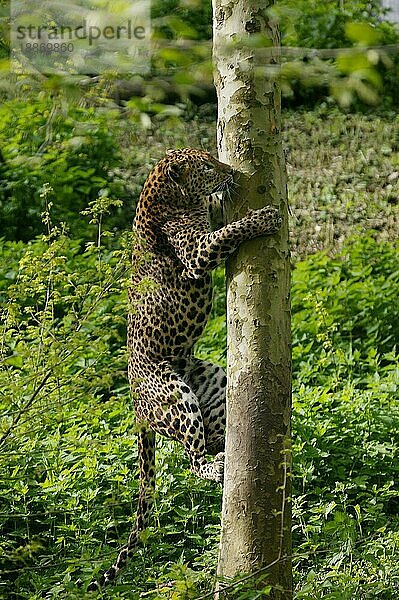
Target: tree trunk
<point>256,516</point>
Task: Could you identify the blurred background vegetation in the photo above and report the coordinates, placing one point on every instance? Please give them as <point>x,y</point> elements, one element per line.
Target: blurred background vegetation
<point>75,152</point>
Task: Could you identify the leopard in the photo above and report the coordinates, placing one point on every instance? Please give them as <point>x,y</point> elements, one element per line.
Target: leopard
<point>174,252</point>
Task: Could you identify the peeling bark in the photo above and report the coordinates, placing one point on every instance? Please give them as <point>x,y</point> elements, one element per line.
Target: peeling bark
<point>256,519</point>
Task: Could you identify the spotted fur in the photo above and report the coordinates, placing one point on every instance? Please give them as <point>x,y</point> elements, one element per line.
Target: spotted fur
<point>176,394</point>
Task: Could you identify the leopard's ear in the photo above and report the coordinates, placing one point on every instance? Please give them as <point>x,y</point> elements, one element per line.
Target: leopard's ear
<point>175,173</point>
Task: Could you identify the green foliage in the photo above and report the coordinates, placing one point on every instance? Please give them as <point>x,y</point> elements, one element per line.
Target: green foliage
<point>48,140</point>
<point>356,78</point>
<point>346,421</point>
<point>331,24</point>
<point>183,18</point>
<point>313,68</point>
<point>343,177</point>
<point>63,321</point>
<point>347,303</point>
<point>212,344</point>
<point>4,31</point>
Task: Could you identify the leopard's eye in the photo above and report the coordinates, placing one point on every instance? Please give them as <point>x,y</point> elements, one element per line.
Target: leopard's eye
<point>208,167</point>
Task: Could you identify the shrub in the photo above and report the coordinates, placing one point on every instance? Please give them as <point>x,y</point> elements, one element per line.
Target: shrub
<point>68,444</point>
<point>346,303</point>
<point>71,148</point>
<point>311,24</point>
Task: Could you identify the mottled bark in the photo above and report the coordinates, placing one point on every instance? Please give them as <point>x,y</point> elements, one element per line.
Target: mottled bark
<point>256,519</point>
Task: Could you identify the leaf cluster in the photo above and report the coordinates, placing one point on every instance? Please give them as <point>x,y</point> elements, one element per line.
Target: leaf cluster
<point>71,148</point>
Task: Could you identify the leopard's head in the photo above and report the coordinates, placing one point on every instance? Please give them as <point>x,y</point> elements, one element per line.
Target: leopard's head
<point>196,172</point>
<point>193,173</point>
<point>183,180</point>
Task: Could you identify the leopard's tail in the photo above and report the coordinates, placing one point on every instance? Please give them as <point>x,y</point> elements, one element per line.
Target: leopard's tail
<point>146,458</point>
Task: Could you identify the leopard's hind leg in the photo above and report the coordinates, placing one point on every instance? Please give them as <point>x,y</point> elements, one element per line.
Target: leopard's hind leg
<point>208,382</point>
<point>185,403</point>
<point>170,407</point>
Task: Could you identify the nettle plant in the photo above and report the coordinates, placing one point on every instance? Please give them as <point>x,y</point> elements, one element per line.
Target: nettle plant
<point>62,354</point>
<point>346,422</point>
<point>51,310</point>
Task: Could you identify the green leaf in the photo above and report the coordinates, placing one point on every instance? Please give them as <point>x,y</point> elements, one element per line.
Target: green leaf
<point>363,33</point>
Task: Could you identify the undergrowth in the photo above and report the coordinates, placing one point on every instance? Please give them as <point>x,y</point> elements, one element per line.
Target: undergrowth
<point>68,435</point>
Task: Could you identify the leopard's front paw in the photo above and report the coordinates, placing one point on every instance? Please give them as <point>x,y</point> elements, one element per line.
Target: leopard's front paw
<point>270,217</point>
<point>263,221</point>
